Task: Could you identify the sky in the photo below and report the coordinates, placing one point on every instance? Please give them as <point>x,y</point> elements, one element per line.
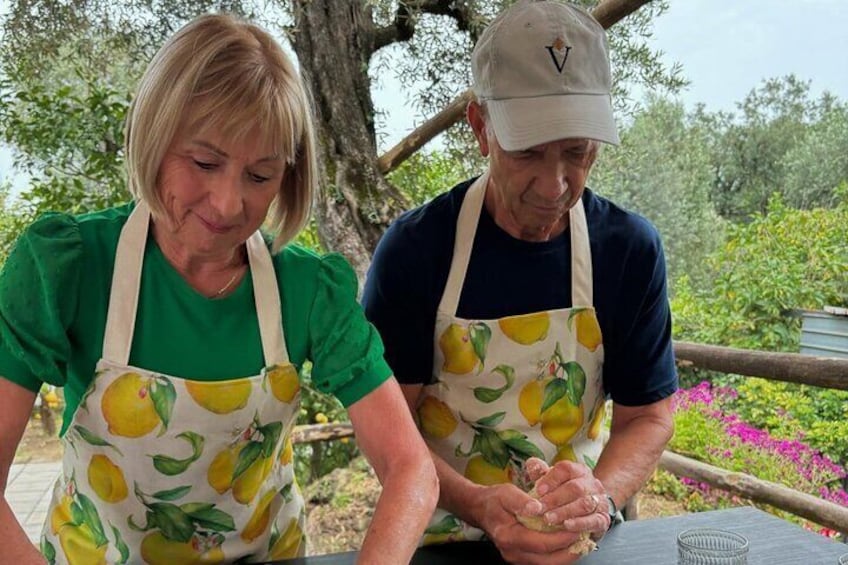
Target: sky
<point>726,48</point>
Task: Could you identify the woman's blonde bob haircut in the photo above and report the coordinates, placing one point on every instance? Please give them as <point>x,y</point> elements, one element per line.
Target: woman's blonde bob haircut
<point>224,74</point>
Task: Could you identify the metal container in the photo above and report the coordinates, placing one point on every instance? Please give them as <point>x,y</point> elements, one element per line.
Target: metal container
<point>824,333</point>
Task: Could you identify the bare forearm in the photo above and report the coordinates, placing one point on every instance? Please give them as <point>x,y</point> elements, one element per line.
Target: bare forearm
<point>632,453</point>
<point>403,510</point>
<point>16,545</point>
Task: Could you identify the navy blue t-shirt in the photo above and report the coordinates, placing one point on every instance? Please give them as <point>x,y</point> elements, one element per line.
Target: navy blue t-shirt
<point>507,276</point>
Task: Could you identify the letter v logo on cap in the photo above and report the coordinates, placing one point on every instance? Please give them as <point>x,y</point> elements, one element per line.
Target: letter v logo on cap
<point>559,45</point>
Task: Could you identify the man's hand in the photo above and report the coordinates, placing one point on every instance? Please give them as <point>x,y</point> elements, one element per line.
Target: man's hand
<point>517,543</point>
<point>571,496</point>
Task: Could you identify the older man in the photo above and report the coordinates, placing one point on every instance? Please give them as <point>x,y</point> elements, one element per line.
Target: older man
<point>516,303</point>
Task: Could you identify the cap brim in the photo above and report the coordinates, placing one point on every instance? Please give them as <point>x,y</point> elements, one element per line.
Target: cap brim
<point>520,123</point>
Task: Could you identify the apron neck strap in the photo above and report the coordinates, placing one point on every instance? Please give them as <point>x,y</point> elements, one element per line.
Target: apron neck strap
<point>466,229</point>
<point>126,284</point>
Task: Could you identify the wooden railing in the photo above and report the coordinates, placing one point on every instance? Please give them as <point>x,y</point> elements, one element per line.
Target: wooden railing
<point>788,367</point>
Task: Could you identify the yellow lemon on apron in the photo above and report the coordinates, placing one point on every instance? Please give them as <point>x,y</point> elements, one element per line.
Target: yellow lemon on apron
<point>222,397</point>
<point>284,382</point>
<point>588,329</point>
<point>458,351</point>
<point>597,419</point>
<point>61,514</point>
<point>260,518</point>
<point>127,406</point>
<point>480,471</point>
<point>156,549</point>
<point>288,544</point>
<point>526,329</point>
<point>106,479</point>
<point>78,545</point>
<point>437,420</point>
<point>287,453</point>
<point>246,486</point>
<point>530,400</point>
<point>565,453</point>
<point>561,421</point>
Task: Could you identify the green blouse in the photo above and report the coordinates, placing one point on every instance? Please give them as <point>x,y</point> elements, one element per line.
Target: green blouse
<point>54,294</point>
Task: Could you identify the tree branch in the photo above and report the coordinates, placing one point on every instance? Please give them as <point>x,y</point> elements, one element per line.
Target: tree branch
<point>402,27</point>
<point>607,13</point>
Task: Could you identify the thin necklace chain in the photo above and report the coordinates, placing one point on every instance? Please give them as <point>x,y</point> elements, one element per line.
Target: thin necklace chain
<point>229,283</point>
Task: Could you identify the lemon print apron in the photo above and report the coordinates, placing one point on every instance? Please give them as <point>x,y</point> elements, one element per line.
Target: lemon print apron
<point>508,389</point>
<point>159,469</point>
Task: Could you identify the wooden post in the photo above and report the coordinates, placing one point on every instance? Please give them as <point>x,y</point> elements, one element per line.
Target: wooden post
<point>801,504</point>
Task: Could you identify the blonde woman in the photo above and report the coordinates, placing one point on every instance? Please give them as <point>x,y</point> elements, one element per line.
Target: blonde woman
<point>177,330</point>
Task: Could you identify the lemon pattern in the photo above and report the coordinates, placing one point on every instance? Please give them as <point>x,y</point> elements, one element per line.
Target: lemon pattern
<point>161,469</point>
<point>504,390</point>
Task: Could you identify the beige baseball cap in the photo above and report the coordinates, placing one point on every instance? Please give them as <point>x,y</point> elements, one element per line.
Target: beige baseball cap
<point>542,68</point>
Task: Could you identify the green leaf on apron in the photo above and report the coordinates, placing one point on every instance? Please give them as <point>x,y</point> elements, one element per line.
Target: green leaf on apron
<point>487,395</point>
<point>48,551</point>
<point>174,523</point>
<point>446,525</point>
<point>122,547</point>
<point>92,519</point>
<point>172,494</point>
<point>271,434</point>
<point>286,493</point>
<point>163,395</point>
<point>77,515</point>
<point>576,382</point>
<point>480,335</point>
<point>209,517</point>
<point>492,420</point>
<point>171,466</point>
<point>554,390</point>
<point>493,449</point>
<point>94,439</point>
<point>246,457</point>
<point>475,448</point>
<point>520,446</point>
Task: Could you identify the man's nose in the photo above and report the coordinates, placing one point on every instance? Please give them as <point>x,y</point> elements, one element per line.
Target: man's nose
<point>552,179</point>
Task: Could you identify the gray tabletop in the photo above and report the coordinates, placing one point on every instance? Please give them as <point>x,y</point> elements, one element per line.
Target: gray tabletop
<point>772,541</point>
<point>650,542</point>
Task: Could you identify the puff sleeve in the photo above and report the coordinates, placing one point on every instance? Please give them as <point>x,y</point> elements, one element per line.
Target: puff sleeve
<point>346,350</point>
<point>39,293</point>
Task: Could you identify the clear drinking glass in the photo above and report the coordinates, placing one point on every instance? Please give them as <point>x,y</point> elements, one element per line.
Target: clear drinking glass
<point>843,559</point>
<point>708,546</point>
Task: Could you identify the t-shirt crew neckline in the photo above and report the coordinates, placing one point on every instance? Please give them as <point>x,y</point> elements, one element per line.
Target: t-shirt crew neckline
<point>162,267</point>
<point>503,238</point>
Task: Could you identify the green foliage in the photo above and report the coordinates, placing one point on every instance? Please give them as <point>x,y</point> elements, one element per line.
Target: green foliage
<point>775,135</point>
<point>426,175</point>
<point>67,139</point>
<point>778,261</point>
<point>316,459</point>
<point>818,164</point>
<point>662,170</point>
<point>790,410</point>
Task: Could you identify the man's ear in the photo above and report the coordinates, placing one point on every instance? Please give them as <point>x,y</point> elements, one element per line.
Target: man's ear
<point>474,115</point>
